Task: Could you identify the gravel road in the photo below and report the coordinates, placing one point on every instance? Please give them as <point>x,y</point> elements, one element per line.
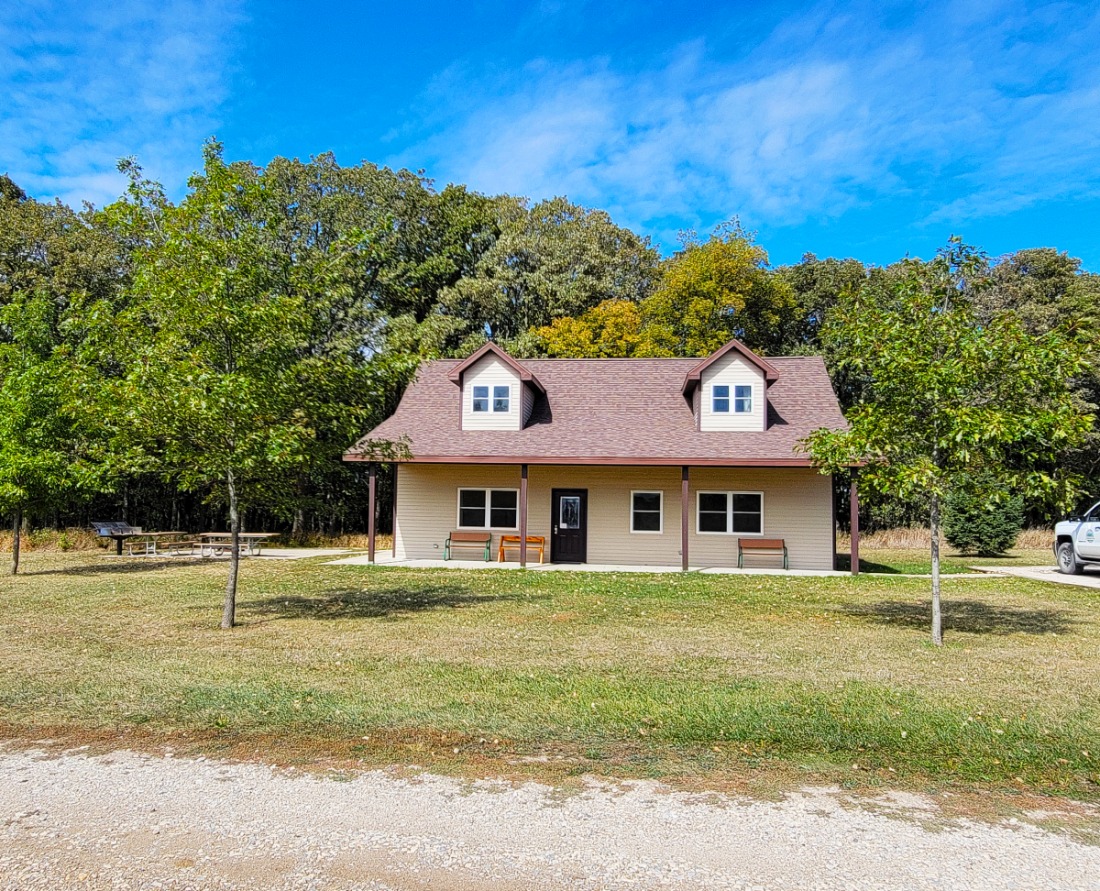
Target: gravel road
<point>130,821</point>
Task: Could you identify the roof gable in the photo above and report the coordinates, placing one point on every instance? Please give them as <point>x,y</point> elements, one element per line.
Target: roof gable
<point>691,381</point>
<point>524,373</point>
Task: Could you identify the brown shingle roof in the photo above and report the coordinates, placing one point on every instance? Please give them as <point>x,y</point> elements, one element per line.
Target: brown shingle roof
<point>611,411</point>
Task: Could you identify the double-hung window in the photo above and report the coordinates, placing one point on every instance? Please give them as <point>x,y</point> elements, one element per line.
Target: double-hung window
<point>720,400</point>
<point>646,511</point>
<point>742,399</point>
<point>488,508</point>
<point>501,398</point>
<point>730,513</point>
<point>481,399</point>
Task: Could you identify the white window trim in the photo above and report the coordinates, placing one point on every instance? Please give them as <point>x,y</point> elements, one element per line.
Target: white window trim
<point>493,400</point>
<point>488,399</point>
<point>661,515</point>
<point>729,493</point>
<point>488,507</point>
<point>714,397</point>
<point>734,399</point>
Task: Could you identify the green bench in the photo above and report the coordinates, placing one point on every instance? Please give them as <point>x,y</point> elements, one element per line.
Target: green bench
<point>480,540</point>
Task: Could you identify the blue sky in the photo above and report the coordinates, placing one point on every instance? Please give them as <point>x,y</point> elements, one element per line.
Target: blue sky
<point>870,130</point>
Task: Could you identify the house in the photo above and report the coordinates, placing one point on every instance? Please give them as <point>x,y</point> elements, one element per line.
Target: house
<point>667,462</point>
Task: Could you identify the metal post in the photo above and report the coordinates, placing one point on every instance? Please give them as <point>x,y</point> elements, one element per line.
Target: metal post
<point>855,525</point>
<point>371,510</point>
<point>684,514</point>
<point>523,515</point>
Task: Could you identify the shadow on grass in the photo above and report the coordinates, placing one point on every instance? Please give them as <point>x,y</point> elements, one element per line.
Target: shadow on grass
<point>382,603</point>
<point>114,566</point>
<point>969,616</point>
<point>844,564</point>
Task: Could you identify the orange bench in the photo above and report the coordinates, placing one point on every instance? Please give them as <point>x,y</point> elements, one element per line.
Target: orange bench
<point>774,546</point>
<point>511,542</point>
<point>480,540</point>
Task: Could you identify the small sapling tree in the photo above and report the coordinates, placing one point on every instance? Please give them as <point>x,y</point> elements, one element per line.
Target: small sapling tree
<point>949,395</point>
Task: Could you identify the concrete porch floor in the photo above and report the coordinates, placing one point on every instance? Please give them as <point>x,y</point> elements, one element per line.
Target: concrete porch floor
<point>385,558</point>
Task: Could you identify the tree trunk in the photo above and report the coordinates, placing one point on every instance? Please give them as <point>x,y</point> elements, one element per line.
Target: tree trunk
<point>16,532</point>
<point>229,613</point>
<point>937,618</point>
<point>298,530</point>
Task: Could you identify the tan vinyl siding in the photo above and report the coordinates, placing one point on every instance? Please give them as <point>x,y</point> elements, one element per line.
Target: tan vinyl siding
<point>797,507</point>
<point>490,372</point>
<point>732,370</point>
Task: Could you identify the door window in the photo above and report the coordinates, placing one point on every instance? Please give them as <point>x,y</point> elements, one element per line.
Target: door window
<point>569,512</point>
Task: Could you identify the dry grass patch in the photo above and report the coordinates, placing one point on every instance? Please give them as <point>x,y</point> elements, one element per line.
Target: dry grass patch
<point>627,675</point>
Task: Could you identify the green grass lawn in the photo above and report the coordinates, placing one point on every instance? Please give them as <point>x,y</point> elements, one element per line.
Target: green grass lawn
<point>893,561</point>
<point>624,675</point>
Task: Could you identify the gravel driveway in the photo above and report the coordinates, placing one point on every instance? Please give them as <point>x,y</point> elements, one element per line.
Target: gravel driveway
<point>129,821</point>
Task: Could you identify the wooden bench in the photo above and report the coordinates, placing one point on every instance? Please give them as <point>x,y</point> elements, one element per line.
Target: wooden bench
<point>176,548</point>
<point>511,543</point>
<point>480,540</point>
<point>774,546</point>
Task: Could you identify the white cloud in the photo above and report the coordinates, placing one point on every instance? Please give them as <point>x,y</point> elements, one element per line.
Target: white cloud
<point>964,110</point>
<point>86,84</point>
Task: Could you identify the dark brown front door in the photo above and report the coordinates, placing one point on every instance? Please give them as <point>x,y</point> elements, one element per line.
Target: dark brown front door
<point>569,526</point>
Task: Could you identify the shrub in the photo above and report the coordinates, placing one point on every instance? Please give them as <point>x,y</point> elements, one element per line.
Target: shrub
<point>982,519</point>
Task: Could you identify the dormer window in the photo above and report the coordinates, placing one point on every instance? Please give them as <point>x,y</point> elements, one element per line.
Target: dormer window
<point>501,398</point>
<point>742,399</point>
<point>722,399</point>
<point>481,399</point>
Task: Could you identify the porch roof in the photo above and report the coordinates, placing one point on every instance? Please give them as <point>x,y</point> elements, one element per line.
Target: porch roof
<point>610,411</point>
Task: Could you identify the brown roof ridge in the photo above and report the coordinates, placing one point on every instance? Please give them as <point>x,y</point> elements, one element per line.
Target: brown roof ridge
<point>490,347</point>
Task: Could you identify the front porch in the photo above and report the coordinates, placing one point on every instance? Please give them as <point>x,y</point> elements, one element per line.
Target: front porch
<point>607,517</point>
<point>386,558</point>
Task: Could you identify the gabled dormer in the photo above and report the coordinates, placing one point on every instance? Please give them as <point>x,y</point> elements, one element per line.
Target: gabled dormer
<point>497,392</point>
<point>730,389</point>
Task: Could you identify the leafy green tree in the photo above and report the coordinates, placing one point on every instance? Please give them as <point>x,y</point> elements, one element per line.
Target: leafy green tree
<point>554,259</point>
<point>817,285</point>
<point>713,291</point>
<point>52,260</point>
<point>1047,288</point>
<point>951,395</point>
<point>220,387</point>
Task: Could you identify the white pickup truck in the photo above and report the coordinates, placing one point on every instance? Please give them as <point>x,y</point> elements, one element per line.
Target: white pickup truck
<point>1077,540</point>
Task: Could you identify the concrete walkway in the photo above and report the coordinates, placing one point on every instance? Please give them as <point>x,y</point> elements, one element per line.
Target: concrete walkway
<point>385,558</point>
<point>1090,578</point>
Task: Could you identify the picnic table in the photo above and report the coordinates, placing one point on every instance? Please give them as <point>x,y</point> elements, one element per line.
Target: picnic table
<point>136,539</point>
<point>216,544</point>
<point>147,543</point>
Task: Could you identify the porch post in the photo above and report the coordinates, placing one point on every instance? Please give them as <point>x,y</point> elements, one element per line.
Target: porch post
<point>393,521</point>
<point>855,525</point>
<point>371,490</point>
<point>523,515</point>
<point>684,512</point>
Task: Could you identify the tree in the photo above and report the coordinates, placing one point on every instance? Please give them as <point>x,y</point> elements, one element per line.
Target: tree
<point>952,396</point>
<point>713,291</point>
<point>220,389</point>
<point>817,285</point>
<point>51,261</point>
<point>612,329</point>
<point>554,259</point>
<point>981,518</point>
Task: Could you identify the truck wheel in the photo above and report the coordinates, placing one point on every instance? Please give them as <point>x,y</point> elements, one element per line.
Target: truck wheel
<point>1067,560</point>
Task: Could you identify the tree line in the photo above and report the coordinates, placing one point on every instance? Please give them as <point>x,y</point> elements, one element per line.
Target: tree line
<point>185,364</point>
